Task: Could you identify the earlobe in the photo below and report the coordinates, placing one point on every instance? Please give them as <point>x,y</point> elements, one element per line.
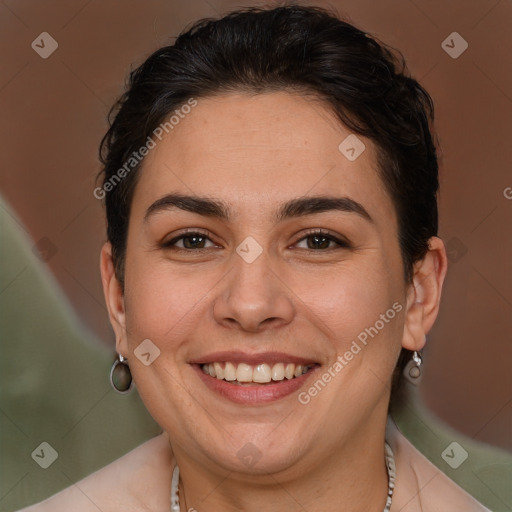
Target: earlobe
<point>424,295</point>
<point>113,297</point>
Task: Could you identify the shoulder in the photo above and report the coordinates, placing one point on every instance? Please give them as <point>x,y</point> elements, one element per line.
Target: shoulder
<point>421,486</point>
<point>138,481</point>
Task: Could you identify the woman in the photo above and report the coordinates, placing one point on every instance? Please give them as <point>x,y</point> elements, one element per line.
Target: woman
<point>272,264</point>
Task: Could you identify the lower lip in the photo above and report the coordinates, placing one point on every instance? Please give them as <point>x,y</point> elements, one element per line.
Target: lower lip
<point>254,394</point>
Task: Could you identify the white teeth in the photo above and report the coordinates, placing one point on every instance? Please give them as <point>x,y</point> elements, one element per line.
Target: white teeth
<point>278,371</point>
<point>219,372</point>
<point>261,373</point>
<point>289,371</point>
<point>229,371</point>
<point>244,373</point>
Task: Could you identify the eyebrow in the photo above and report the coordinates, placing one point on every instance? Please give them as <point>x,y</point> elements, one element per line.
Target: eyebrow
<point>299,207</point>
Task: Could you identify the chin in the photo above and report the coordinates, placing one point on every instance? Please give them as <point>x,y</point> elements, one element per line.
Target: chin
<point>258,451</point>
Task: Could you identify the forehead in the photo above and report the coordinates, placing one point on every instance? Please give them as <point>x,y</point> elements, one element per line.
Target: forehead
<point>257,151</point>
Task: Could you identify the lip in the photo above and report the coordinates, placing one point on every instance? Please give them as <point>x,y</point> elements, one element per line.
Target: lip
<point>258,394</point>
<point>252,359</point>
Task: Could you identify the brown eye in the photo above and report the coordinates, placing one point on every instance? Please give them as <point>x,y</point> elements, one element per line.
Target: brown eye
<point>189,241</point>
<point>318,242</point>
<point>321,241</point>
<point>193,242</point>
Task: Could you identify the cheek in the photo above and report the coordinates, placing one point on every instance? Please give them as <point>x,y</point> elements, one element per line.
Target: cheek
<point>349,300</point>
<point>161,304</point>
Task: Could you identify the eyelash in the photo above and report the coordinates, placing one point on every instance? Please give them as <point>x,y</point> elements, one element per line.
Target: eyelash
<point>207,235</point>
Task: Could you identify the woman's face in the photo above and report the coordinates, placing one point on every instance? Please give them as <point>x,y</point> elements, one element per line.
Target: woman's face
<point>261,285</point>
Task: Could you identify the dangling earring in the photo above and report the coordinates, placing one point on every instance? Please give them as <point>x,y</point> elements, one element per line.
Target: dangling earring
<point>120,375</point>
<point>414,370</point>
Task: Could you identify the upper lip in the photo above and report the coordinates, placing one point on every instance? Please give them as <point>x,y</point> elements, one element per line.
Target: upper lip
<point>252,359</point>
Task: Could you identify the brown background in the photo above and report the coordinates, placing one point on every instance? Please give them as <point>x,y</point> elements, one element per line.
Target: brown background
<point>54,114</point>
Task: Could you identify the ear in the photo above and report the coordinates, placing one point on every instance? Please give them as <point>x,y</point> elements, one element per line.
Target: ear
<point>424,295</point>
<point>114,298</point>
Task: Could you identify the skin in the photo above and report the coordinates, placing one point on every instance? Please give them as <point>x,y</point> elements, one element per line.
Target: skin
<point>254,153</point>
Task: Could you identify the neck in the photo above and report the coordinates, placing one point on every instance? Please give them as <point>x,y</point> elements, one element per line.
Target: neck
<point>350,478</point>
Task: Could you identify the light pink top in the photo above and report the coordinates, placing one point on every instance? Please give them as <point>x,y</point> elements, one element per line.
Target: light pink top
<point>421,486</point>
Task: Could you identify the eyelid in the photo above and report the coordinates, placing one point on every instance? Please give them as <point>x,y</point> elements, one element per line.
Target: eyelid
<point>340,240</point>
<point>187,231</point>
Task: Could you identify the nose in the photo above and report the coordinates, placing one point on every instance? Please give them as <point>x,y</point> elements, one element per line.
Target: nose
<point>253,298</point>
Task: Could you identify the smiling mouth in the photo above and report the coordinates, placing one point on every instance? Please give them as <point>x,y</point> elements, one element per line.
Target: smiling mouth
<point>243,374</point>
